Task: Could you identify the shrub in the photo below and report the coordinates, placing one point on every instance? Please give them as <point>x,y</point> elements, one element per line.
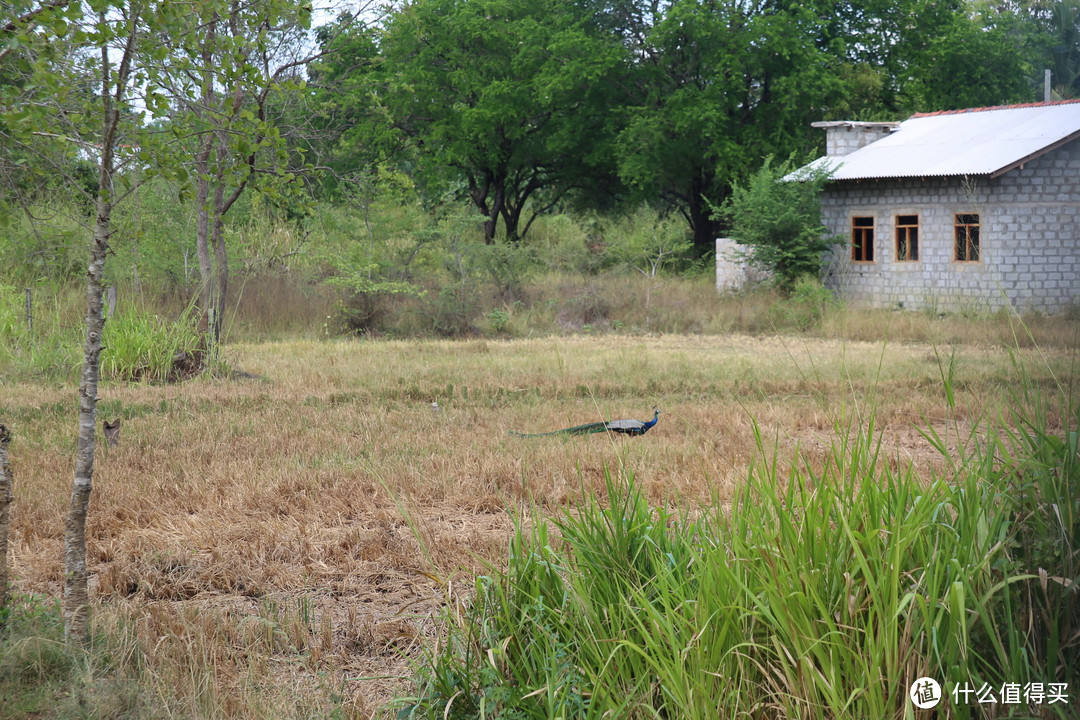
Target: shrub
<point>778,216</point>
<point>805,307</point>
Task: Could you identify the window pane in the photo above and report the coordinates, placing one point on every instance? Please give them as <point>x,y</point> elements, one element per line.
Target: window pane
<point>967,237</point>
<point>907,238</point>
<point>862,239</point>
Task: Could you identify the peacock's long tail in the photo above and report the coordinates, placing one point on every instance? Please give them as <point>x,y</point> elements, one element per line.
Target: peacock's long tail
<point>586,429</point>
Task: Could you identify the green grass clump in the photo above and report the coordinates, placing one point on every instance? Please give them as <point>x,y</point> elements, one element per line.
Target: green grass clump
<point>142,346</point>
<point>41,675</point>
<point>823,592</point>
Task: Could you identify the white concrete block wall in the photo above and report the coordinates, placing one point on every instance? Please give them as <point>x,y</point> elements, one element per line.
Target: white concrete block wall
<point>733,273</point>
<point>1029,239</point>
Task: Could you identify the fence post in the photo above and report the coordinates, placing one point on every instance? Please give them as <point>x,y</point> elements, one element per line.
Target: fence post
<point>29,310</point>
<point>111,294</point>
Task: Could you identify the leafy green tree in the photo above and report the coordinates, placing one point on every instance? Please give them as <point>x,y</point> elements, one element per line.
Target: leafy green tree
<point>1054,30</point>
<point>99,78</point>
<point>778,216</point>
<point>960,55</point>
<point>501,99</point>
<point>351,136</point>
<point>652,244</point>
<point>82,91</point>
<point>724,82</point>
<point>223,71</point>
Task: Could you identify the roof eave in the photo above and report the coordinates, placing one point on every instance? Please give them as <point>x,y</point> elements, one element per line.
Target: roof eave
<point>1037,154</point>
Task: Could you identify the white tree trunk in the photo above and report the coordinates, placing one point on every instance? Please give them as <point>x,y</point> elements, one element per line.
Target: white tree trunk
<point>7,496</point>
<point>76,599</point>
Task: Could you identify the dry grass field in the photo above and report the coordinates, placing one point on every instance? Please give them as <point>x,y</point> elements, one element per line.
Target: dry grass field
<point>280,546</point>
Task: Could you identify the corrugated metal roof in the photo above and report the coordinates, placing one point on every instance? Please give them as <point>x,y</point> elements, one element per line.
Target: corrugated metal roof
<point>980,141</point>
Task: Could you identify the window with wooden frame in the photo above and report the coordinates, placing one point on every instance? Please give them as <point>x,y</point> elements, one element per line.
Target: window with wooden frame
<point>862,239</point>
<point>967,237</point>
<point>907,238</point>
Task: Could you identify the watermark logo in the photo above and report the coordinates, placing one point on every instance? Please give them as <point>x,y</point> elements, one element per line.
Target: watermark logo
<point>925,693</point>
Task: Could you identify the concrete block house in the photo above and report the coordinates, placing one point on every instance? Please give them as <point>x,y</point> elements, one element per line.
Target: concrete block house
<point>969,209</point>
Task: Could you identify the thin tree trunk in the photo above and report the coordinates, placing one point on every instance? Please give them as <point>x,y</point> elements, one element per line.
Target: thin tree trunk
<point>202,194</point>
<point>76,600</point>
<point>76,597</point>
<point>7,496</point>
<point>202,239</point>
<point>221,264</point>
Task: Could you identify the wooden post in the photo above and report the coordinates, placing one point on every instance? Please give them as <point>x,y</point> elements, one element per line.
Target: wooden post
<point>111,294</point>
<point>7,496</point>
<point>29,310</point>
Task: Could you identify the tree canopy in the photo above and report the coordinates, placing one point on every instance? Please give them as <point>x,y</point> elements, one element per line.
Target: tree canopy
<point>519,106</point>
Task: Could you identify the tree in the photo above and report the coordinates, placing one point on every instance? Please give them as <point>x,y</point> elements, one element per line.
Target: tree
<point>85,97</point>
<point>652,243</point>
<point>961,55</point>
<point>778,216</point>
<point>95,72</point>
<point>1054,26</point>
<point>503,94</point>
<point>218,77</point>
<point>351,134</point>
<point>722,83</point>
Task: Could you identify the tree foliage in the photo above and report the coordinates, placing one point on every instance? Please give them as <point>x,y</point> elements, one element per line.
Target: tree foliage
<point>1055,29</point>
<point>130,87</point>
<point>516,104</point>
<point>515,107</point>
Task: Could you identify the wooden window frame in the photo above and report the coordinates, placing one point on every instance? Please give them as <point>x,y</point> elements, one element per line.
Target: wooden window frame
<point>862,237</point>
<point>906,237</point>
<point>967,232</point>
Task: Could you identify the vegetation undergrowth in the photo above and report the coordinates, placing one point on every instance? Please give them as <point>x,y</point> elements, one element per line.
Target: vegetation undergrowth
<point>159,662</point>
<point>822,592</point>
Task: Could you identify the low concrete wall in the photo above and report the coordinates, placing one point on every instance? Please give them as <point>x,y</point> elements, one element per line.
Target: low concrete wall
<point>733,272</point>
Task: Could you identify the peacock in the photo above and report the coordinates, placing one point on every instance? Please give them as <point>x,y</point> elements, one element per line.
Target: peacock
<point>626,427</point>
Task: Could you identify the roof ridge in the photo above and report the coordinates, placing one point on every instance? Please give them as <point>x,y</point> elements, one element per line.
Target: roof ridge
<point>996,107</point>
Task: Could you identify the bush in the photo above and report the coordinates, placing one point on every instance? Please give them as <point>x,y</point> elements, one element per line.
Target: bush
<point>805,307</point>
<point>779,217</point>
